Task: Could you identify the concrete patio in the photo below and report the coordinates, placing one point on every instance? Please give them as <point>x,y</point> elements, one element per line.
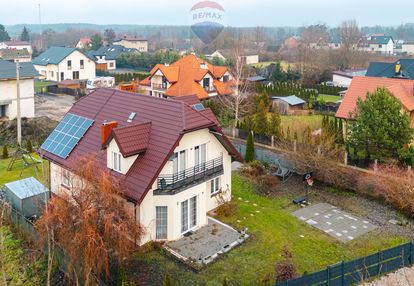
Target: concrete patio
<point>206,244</point>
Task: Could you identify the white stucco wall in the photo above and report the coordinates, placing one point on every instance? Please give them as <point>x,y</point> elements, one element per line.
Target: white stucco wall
<point>407,48</point>
<point>341,80</point>
<point>8,96</point>
<point>141,46</point>
<point>126,163</point>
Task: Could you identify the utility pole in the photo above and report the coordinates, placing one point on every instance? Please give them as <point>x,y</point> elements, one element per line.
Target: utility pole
<point>19,119</point>
<point>40,26</point>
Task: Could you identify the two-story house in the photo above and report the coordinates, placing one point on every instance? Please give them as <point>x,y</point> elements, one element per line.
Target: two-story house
<point>171,154</point>
<point>189,75</point>
<point>83,43</point>
<point>132,43</point>
<point>106,56</point>
<point>60,63</point>
<point>380,44</point>
<point>8,89</point>
<point>17,45</point>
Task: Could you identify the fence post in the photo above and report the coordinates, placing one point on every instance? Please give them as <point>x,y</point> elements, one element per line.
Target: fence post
<point>294,145</point>
<point>343,273</point>
<point>273,141</point>
<point>346,158</point>
<point>375,165</point>
<point>328,276</point>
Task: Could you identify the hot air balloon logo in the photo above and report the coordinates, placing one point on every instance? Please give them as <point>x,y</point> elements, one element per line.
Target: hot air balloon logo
<point>207,20</point>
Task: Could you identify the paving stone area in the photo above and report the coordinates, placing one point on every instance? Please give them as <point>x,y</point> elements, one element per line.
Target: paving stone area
<point>207,243</point>
<point>335,222</point>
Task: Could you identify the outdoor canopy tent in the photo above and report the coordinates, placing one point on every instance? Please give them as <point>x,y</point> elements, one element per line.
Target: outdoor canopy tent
<point>27,196</point>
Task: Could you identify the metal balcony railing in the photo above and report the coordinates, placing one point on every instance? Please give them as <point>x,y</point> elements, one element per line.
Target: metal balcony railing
<point>159,86</point>
<point>172,183</point>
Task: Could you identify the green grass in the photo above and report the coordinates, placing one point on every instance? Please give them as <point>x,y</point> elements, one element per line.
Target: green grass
<point>283,64</point>
<point>328,98</point>
<point>271,229</point>
<point>299,123</point>
<point>38,84</point>
<point>14,174</point>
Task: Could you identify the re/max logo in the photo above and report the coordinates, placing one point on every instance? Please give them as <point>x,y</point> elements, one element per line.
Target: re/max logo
<point>207,15</point>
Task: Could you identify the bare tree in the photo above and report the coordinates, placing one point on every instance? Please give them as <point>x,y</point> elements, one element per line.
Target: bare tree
<point>90,222</point>
<point>350,35</point>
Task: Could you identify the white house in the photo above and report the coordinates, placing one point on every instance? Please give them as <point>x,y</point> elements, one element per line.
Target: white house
<point>407,48</point>
<point>8,89</point>
<point>214,55</point>
<point>133,43</point>
<point>174,166</point>
<point>106,56</point>
<point>83,43</point>
<point>380,44</point>
<point>250,59</point>
<point>17,45</point>
<point>343,78</point>
<point>60,63</point>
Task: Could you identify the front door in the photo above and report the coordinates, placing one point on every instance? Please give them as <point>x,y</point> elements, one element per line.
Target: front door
<point>188,214</point>
<point>179,165</point>
<point>3,111</point>
<point>200,157</point>
<point>161,222</point>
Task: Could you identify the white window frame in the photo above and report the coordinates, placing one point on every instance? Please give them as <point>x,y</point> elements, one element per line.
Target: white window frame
<point>190,219</point>
<point>200,157</point>
<point>116,161</point>
<point>160,224</point>
<point>215,186</point>
<point>65,178</point>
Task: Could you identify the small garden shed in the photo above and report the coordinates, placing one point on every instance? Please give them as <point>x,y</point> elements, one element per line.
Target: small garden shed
<point>27,196</point>
<point>288,104</point>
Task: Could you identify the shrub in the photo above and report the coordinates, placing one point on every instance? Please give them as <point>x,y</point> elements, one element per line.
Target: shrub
<point>254,170</point>
<point>167,280</point>
<point>267,182</point>
<point>250,148</point>
<point>5,152</point>
<point>29,146</point>
<point>225,282</point>
<point>226,209</point>
<point>406,155</point>
<point>285,269</point>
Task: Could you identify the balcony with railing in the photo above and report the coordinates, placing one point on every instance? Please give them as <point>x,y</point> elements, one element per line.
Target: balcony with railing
<point>159,86</point>
<point>171,184</point>
<point>209,88</point>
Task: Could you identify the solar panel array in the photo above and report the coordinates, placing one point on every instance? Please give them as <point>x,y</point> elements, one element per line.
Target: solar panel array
<point>67,135</point>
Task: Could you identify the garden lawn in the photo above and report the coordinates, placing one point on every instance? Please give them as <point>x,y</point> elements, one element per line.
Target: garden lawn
<point>328,98</point>
<point>14,174</point>
<point>39,84</point>
<point>299,123</point>
<point>283,64</point>
<point>272,226</point>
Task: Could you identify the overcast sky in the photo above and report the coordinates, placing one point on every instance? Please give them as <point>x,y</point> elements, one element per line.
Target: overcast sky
<point>238,12</point>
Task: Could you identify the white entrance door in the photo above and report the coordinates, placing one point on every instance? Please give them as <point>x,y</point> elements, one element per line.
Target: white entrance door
<point>188,214</point>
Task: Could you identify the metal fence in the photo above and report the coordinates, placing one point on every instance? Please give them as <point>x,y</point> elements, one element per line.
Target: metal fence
<point>70,91</point>
<point>358,270</point>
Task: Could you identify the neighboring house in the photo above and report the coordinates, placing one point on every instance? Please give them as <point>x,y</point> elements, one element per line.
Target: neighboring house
<point>380,44</point>
<point>8,91</point>
<point>173,157</point>
<point>17,45</point>
<point>60,63</point>
<point>105,57</point>
<point>402,68</point>
<point>188,76</point>
<point>216,54</point>
<point>133,43</point>
<point>343,78</point>
<point>249,59</point>
<point>15,55</point>
<point>407,48</point>
<point>288,104</point>
<point>401,89</point>
<point>83,43</point>
<point>291,43</point>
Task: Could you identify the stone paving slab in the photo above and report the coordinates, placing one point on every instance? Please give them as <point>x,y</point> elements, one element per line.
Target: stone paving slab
<point>335,222</point>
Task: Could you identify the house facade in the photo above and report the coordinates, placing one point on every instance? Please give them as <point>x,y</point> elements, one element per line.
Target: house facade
<point>188,76</point>
<point>8,90</point>
<point>12,55</point>
<point>173,157</point>
<point>61,63</point>
<point>343,78</point>
<point>17,45</point>
<point>380,44</point>
<point>106,56</point>
<point>83,43</point>
<point>133,43</point>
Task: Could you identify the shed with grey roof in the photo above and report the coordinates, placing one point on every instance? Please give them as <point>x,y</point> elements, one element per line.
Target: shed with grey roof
<point>288,104</point>
<point>27,196</point>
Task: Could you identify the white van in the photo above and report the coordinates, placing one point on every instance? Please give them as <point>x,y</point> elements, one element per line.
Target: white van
<point>98,82</point>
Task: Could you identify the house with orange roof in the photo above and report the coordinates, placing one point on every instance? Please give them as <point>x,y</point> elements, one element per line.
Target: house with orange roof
<point>84,43</point>
<point>401,89</point>
<point>188,76</point>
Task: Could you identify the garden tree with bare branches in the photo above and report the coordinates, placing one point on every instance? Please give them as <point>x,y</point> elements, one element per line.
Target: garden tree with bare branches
<point>381,127</point>
<point>350,35</point>
<point>90,222</point>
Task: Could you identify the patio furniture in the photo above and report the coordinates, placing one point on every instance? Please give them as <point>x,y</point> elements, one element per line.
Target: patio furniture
<point>299,200</point>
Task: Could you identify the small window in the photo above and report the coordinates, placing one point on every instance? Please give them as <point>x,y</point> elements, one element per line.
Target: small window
<point>69,65</point>
<point>65,178</point>
<point>75,75</point>
<point>116,161</point>
<point>81,64</point>
<point>225,78</point>
<point>215,186</point>
<point>111,65</point>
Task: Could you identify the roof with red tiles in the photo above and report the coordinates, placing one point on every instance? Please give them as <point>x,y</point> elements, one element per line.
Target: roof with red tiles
<point>402,89</point>
<point>185,74</point>
<point>85,40</point>
<point>169,121</point>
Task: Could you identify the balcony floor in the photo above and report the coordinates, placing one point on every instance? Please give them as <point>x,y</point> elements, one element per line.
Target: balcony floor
<point>206,244</point>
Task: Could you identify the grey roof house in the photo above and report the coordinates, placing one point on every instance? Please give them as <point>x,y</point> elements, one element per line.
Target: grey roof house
<point>402,68</point>
<point>105,57</point>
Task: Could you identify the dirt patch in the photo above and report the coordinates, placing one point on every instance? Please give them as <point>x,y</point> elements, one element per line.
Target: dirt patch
<point>53,106</point>
<point>375,211</point>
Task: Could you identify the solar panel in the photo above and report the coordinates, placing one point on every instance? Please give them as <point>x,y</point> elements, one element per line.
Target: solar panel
<point>67,135</point>
<point>198,107</point>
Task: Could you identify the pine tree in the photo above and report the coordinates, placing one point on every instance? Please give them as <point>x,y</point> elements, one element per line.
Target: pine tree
<point>260,120</point>
<point>167,280</point>
<point>5,152</point>
<point>274,128</point>
<point>4,36</point>
<point>288,135</point>
<point>29,146</point>
<point>307,135</point>
<point>250,148</point>
<point>24,36</point>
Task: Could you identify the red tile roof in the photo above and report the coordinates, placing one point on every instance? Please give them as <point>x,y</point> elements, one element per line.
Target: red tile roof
<point>85,40</point>
<point>170,119</point>
<point>185,75</point>
<point>132,139</point>
<point>402,89</point>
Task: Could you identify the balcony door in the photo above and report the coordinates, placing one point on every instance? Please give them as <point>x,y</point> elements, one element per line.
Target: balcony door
<point>179,165</point>
<point>200,157</point>
<point>188,214</point>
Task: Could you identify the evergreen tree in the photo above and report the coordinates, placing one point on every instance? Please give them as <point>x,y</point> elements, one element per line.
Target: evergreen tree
<point>250,157</point>
<point>29,146</point>
<point>5,152</point>
<point>24,36</point>
<point>167,280</point>
<point>274,128</point>
<point>288,135</point>
<point>4,36</point>
<point>260,120</point>
<point>96,42</point>
<point>307,135</point>
<point>109,36</point>
<point>225,282</point>
<point>341,132</point>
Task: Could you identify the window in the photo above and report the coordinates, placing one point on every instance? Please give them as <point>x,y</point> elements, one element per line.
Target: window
<point>188,214</point>
<point>200,157</point>
<point>206,82</point>
<point>51,73</point>
<point>116,161</point>
<point>215,186</point>
<point>69,65</point>
<point>161,222</point>
<point>81,64</point>
<point>225,78</point>
<point>380,46</point>
<point>111,65</point>
<point>62,76</point>
<point>179,164</point>
<point>75,75</point>
<point>65,178</point>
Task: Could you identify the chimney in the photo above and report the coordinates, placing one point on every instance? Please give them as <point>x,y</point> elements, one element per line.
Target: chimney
<point>106,130</point>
